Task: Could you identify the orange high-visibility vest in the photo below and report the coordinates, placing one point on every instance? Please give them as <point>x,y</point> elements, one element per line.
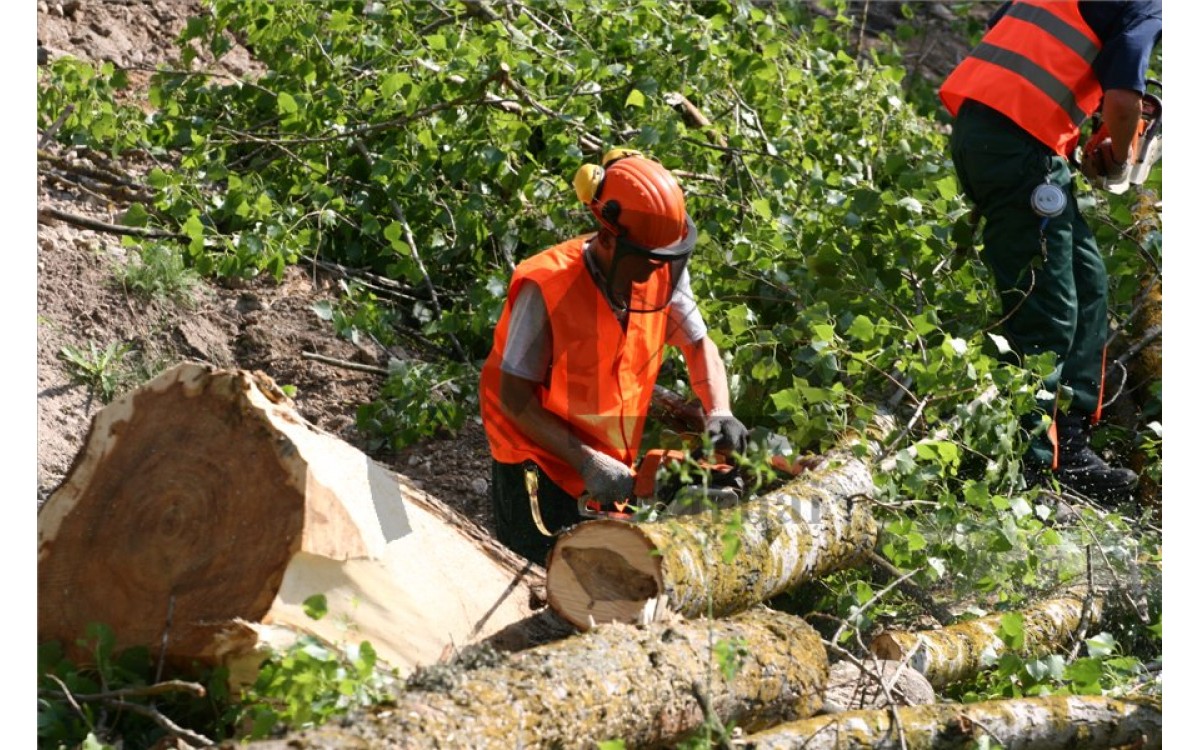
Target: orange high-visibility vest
<point>601,377</point>
<point>1035,66</point>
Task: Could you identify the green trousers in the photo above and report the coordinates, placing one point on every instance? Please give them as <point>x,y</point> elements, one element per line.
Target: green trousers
<point>513,513</point>
<point>1049,274</point>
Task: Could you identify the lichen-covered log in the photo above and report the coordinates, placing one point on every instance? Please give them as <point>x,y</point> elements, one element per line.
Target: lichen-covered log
<point>203,511</point>
<point>874,684</point>
<point>637,684</point>
<point>1059,722</point>
<point>1144,372</point>
<point>960,651</point>
<point>611,571</point>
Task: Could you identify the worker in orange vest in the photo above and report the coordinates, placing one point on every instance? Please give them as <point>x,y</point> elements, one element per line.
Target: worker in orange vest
<point>1019,99</point>
<point>565,391</point>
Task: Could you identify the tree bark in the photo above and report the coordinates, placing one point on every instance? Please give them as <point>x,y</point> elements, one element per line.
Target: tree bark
<point>637,684</point>
<point>1059,722</point>
<point>203,511</point>
<point>612,571</point>
<point>962,650</point>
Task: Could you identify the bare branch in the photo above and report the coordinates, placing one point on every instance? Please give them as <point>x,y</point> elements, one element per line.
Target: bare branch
<point>46,213</point>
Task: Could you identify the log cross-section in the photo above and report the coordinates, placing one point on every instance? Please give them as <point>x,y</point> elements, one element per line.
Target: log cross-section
<point>203,511</point>
<point>612,571</point>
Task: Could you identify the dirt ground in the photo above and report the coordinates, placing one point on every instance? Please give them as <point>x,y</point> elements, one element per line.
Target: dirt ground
<point>261,325</point>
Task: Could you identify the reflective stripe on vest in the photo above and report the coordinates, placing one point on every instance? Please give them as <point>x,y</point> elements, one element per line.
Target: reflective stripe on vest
<point>601,377</point>
<point>1035,67</point>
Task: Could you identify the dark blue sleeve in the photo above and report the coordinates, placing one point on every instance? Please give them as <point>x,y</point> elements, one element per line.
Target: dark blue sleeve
<point>1127,37</point>
<point>998,14</point>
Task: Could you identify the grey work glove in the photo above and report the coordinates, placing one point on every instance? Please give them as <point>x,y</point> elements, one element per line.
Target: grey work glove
<point>727,433</point>
<point>1103,170</point>
<point>606,478</point>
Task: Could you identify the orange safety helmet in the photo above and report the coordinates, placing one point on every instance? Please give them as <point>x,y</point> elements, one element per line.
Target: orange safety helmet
<point>638,200</point>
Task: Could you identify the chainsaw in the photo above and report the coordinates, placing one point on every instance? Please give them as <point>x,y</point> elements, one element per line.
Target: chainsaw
<point>669,482</point>
<point>1147,142</point>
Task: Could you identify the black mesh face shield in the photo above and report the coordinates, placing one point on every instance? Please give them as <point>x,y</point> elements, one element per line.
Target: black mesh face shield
<point>642,279</point>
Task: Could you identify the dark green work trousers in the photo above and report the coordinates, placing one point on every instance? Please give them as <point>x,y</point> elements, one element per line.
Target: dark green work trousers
<point>1049,274</point>
<point>515,525</point>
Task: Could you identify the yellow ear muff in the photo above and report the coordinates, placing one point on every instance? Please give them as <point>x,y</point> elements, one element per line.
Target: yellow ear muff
<point>587,181</point>
<point>618,153</point>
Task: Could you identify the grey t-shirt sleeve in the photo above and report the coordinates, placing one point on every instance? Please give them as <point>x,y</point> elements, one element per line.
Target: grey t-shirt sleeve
<point>527,349</point>
<point>685,324</point>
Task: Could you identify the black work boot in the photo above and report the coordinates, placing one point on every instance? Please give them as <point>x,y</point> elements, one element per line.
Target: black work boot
<point>1080,469</point>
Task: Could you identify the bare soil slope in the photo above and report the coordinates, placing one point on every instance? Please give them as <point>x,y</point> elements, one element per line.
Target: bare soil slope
<point>260,325</point>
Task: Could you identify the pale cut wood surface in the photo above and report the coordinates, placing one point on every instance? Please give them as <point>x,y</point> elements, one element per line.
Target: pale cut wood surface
<point>203,511</point>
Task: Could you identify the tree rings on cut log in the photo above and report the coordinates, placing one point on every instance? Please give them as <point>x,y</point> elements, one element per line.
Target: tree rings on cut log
<point>180,510</point>
<point>204,512</point>
<point>607,573</point>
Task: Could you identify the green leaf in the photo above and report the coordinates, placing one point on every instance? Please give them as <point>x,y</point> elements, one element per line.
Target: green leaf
<point>1012,624</point>
<point>316,606</point>
<point>1001,343</point>
<point>635,99</point>
<point>135,216</point>
<point>286,103</point>
<point>1102,644</point>
<point>393,83</point>
<point>862,328</point>
<point>947,187</point>
<point>194,229</point>
<point>1085,671</point>
<point>762,208</point>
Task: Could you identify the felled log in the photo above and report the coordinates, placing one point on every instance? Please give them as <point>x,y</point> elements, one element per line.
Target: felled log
<point>612,571</point>
<point>203,511</point>
<point>643,685</point>
<point>1058,722</point>
<point>962,650</point>
<point>1146,370</point>
<point>874,684</point>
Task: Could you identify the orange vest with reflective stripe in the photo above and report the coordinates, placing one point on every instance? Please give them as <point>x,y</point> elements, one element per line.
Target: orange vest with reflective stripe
<point>601,376</point>
<point>1035,66</point>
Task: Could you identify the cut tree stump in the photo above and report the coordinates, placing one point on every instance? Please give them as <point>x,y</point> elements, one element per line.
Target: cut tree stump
<point>612,571</point>
<point>1058,722</point>
<point>878,683</point>
<point>643,685</point>
<point>203,511</point>
<point>964,649</point>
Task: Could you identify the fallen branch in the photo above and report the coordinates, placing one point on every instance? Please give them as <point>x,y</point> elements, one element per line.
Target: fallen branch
<point>53,129</point>
<point>1057,722</point>
<point>988,395</point>
<point>413,248</point>
<point>693,117</point>
<point>117,699</point>
<point>345,364</point>
<point>45,213</point>
<point>962,650</point>
<point>911,590</point>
